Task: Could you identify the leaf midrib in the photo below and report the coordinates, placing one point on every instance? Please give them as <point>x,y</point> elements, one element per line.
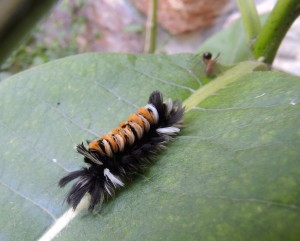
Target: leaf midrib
<point>220,82</point>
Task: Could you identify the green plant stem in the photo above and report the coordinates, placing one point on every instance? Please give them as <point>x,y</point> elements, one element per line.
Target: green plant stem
<point>250,18</point>
<point>150,38</point>
<point>278,23</point>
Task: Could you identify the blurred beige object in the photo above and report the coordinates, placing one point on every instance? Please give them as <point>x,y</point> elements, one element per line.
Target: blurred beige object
<point>105,27</point>
<point>181,16</point>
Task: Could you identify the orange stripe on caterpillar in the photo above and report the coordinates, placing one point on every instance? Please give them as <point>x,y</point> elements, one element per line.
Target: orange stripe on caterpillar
<point>146,113</point>
<point>137,128</point>
<point>140,122</point>
<point>129,135</point>
<point>107,147</point>
<point>94,145</point>
<point>135,118</point>
<point>111,141</point>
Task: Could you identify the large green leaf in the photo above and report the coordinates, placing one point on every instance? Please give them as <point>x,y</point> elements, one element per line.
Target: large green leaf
<point>233,173</point>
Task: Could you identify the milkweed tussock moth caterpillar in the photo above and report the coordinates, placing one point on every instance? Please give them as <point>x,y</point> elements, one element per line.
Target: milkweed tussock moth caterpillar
<point>127,150</point>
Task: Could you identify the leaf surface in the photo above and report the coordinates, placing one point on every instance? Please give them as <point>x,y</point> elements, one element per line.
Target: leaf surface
<point>232,174</point>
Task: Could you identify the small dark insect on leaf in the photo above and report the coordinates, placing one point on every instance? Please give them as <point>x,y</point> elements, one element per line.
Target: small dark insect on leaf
<point>209,62</point>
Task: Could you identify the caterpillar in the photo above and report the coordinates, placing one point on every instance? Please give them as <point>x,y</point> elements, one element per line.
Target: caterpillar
<point>124,152</point>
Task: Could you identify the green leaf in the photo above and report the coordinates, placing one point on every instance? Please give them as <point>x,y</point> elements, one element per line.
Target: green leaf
<point>250,18</point>
<point>231,43</point>
<point>232,174</point>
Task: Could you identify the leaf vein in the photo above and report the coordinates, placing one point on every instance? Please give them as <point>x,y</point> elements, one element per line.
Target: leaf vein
<point>65,116</point>
<point>254,200</point>
<point>29,199</point>
<point>115,94</point>
<point>165,81</point>
<point>32,147</point>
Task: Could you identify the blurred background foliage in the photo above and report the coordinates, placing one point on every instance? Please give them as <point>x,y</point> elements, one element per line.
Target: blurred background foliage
<point>77,26</point>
